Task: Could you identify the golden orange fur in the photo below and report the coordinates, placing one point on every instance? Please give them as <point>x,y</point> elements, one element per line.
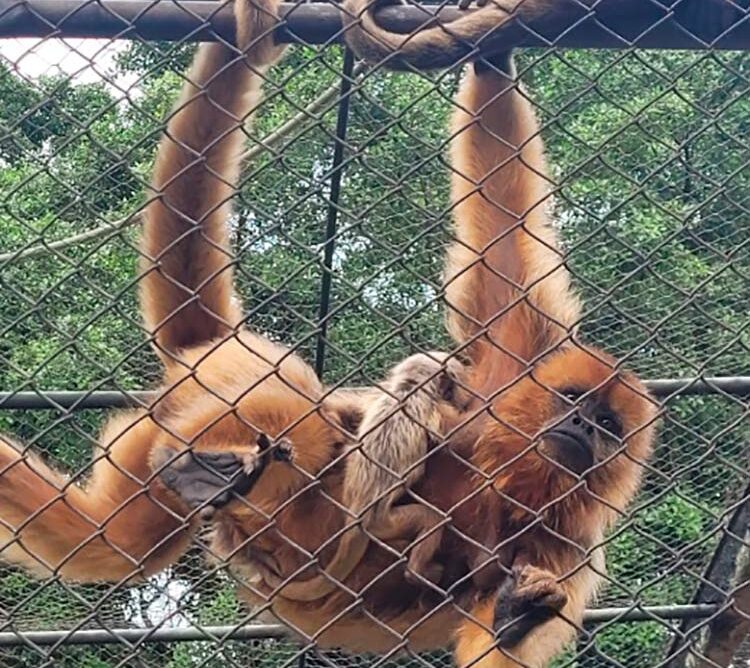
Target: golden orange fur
<point>490,28</point>
<point>401,422</point>
<point>510,305</point>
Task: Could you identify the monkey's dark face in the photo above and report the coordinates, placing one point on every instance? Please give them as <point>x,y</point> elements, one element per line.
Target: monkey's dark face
<point>578,414</point>
<point>595,414</point>
<point>269,441</point>
<point>584,433</point>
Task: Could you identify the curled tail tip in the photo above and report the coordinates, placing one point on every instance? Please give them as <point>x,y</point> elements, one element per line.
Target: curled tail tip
<point>436,44</point>
<point>425,48</point>
<point>349,554</point>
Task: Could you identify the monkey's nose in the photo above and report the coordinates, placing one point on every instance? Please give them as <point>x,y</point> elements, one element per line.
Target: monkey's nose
<point>572,440</point>
<point>580,423</point>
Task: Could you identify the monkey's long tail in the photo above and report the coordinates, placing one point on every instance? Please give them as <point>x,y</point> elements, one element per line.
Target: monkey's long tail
<point>187,295</point>
<point>485,31</point>
<point>349,552</point>
<point>118,527</point>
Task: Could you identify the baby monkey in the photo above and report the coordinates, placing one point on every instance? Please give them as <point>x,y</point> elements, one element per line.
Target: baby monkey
<point>400,425</point>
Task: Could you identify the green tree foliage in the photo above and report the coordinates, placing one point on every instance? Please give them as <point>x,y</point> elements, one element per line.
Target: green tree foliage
<point>651,180</point>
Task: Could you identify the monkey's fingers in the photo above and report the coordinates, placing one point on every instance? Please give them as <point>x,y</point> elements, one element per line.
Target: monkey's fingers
<point>512,630</point>
<point>527,575</point>
<point>530,598</point>
<point>284,451</point>
<point>471,4</point>
<point>257,21</point>
<point>537,588</point>
<point>547,594</point>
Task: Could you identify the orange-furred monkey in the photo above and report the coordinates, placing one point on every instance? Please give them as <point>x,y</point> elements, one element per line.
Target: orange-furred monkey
<point>532,482</point>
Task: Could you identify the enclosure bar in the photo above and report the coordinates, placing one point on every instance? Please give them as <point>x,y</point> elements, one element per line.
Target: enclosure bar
<point>648,26</point>
<point>667,387</point>
<point>332,214</point>
<point>75,400</point>
<point>648,613</point>
<point>716,580</point>
<point>110,636</point>
<point>269,631</point>
<point>734,385</point>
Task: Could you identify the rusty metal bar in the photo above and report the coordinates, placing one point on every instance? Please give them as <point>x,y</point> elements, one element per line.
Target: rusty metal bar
<point>270,631</point>
<point>694,24</point>
<point>738,386</point>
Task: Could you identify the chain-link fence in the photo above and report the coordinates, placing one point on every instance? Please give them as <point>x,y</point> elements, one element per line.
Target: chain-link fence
<point>524,458</point>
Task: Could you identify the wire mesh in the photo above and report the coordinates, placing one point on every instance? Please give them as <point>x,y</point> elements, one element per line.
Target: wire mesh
<point>340,224</point>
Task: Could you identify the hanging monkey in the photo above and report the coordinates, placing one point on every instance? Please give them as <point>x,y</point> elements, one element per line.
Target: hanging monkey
<point>229,395</point>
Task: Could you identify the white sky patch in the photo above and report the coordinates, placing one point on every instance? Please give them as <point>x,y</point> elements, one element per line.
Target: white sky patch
<point>158,603</point>
<point>83,60</point>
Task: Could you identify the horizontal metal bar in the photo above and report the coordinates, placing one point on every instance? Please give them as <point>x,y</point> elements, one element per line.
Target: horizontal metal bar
<point>665,387</point>
<point>110,636</point>
<point>649,613</point>
<point>319,22</point>
<point>734,385</point>
<point>269,631</point>
<point>74,400</point>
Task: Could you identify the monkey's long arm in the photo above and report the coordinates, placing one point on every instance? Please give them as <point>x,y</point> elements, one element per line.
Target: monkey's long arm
<point>512,300</point>
<point>508,293</point>
<point>114,528</point>
<point>187,296</point>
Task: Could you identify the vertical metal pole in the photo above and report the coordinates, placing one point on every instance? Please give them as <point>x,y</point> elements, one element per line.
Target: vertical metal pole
<point>715,580</point>
<point>342,123</point>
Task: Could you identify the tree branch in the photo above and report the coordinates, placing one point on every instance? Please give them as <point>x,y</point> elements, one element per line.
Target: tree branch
<point>298,120</point>
<point>269,142</point>
<point>46,248</point>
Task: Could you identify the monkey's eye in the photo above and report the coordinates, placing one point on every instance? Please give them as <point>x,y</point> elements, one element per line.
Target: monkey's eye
<point>571,395</point>
<point>609,423</point>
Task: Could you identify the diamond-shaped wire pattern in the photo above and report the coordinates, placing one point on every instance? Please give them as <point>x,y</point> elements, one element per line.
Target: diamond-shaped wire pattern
<point>339,226</point>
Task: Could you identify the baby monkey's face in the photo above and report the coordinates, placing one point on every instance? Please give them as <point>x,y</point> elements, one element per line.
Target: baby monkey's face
<point>439,374</point>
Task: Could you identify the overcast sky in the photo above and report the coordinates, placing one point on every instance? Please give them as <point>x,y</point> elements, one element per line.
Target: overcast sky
<point>33,57</point>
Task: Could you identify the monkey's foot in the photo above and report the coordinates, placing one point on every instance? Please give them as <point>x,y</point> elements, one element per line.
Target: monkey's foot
<point>529,598</point>
<point>257,22</point>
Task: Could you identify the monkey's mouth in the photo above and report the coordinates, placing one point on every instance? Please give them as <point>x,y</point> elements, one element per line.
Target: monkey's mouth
<point>569,450</point>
